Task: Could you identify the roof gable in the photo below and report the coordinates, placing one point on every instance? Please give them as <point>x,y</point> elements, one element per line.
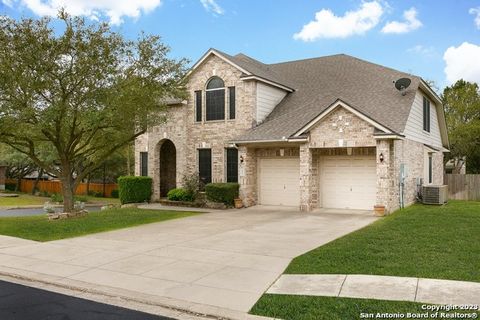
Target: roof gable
<point>334,107</point>
<point>251,69</point>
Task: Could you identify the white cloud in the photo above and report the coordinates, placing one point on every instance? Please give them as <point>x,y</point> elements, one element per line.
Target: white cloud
<point>328,25</point>
<point>476,12</point>
<point>114,10</point>
<point>212,5</point>
<point>427,51</point>
<point>8,3</point>
<point>411,23</point>
<point>462,63</point>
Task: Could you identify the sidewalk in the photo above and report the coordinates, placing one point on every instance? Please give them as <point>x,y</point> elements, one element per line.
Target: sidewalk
<point>433,291</point>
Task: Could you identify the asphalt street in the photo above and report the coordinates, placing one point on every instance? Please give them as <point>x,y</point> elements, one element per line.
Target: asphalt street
<point>18,302</point>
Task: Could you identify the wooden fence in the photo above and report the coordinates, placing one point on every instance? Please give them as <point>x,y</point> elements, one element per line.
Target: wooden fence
<point>55,186</point>
<point>463,186</point>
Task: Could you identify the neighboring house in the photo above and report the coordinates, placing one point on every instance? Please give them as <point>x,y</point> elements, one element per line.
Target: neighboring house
<point>328,132</point>
<point>456,166</point>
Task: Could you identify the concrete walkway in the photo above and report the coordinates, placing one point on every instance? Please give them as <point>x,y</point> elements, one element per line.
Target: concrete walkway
<point>379,287</point>
<point>216,263</point>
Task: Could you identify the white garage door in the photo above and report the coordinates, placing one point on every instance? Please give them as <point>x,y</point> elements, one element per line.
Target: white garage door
<point>279,182</point>
<point>348,182</point>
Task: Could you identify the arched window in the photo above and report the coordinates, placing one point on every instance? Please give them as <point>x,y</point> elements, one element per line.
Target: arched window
<point>215,99</point>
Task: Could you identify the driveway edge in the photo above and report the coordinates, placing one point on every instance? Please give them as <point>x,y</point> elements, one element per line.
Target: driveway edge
<point>169,307</point>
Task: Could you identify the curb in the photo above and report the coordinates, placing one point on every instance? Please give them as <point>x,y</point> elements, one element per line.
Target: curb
<point>191,308</point>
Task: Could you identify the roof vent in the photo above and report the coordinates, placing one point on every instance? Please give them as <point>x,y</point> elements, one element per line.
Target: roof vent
<point>402,85</point>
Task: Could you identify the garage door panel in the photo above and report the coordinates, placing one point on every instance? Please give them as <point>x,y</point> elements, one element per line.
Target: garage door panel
<point>279,181</point>
<point>348,182</point>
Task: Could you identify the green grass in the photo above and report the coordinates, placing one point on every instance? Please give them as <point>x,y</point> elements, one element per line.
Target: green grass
<point>317,308</point>
<point>40,229</point>
<point>421,241</point>
<point>22,200</point>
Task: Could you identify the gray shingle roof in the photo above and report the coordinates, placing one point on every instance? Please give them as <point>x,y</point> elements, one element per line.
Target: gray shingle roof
<point>319,82</point>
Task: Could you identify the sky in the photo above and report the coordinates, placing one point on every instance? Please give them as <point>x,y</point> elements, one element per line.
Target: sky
<point>437,40</point>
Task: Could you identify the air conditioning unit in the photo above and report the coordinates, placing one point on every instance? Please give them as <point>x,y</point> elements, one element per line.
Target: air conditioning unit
<point>435,194</point>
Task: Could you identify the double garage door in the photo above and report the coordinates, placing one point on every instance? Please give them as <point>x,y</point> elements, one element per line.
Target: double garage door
<point>345,182</point>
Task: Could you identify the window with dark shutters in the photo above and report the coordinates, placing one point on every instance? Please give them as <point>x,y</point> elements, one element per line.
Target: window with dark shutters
<point>426,114</point>
<point>231,93</point>
<point>198,106</point>
<point>205,166</point>
<point>232,165</point>
<point>144,163</point>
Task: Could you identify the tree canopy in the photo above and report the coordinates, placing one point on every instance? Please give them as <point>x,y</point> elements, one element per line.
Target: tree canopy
<point>82,92</point>
<point>462,109</point>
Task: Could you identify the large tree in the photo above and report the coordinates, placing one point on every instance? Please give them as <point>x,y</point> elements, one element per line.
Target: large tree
<point>462,110</point>
<point>81,90</point>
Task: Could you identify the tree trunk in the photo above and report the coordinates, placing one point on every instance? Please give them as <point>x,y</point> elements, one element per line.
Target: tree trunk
<point>19,182</point>
<point>128,160</point>
<point>68,187</point>
<point>88,185</point>
<point>35,184</point>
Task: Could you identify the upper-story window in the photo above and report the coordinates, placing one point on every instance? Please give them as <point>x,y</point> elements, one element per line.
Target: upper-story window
<point>215,99</point>
<point>426,114</point>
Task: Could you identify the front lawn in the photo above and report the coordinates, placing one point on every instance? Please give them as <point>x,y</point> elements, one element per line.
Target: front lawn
<point>22,200</point>
<point>420,241</point>
<point>290,307</point>
<point>40,229</point>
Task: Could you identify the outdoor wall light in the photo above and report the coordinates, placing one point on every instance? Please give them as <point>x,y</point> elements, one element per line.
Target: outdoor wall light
<point>241,159</point>
<point>381,157</point>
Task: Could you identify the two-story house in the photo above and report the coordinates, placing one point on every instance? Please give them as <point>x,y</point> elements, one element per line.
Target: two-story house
<point>329,132</point>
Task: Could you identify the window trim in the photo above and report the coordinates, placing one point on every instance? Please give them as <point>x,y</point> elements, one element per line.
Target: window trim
<point>426,114</point>
<point>206,98</point>
<point>430,168</point>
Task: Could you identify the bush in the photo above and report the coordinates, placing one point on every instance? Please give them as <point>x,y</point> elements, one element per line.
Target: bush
<point>180,194</point>
<point>10,186</point>
<point>80,198</point>
<point>94,193</point>
<point>191,184</point>
<point>222,192</point>
<point>133,189</point>
<point>56,197</point>
<point>114,193</point>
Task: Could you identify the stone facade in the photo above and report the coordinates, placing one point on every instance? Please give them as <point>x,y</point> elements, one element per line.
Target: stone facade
<point>341,128</point>
<point>413,156</point>
<point>189,135</point>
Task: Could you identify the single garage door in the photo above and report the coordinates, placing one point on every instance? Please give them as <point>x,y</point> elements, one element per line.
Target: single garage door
<point>279,181</point>
<point>348,182</point>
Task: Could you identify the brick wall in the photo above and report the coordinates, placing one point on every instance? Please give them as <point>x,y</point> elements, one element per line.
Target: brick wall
<point>341,124</point>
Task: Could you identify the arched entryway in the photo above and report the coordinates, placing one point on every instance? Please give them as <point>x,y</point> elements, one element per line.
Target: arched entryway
<point>168,167</point>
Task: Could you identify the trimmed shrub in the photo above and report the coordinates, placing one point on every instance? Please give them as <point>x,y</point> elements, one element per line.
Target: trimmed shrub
<point>10,186</point>
<point>114,193</point>
<point>132,189</point>
<point>222,192</point>
<point>56,197</point>
<point>96,194</point>
<point>80,199</point>
<point>191,183</point>
<point>180,194</point>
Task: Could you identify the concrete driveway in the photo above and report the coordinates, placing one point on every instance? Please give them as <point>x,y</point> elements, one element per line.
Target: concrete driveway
<point>211,263</point>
